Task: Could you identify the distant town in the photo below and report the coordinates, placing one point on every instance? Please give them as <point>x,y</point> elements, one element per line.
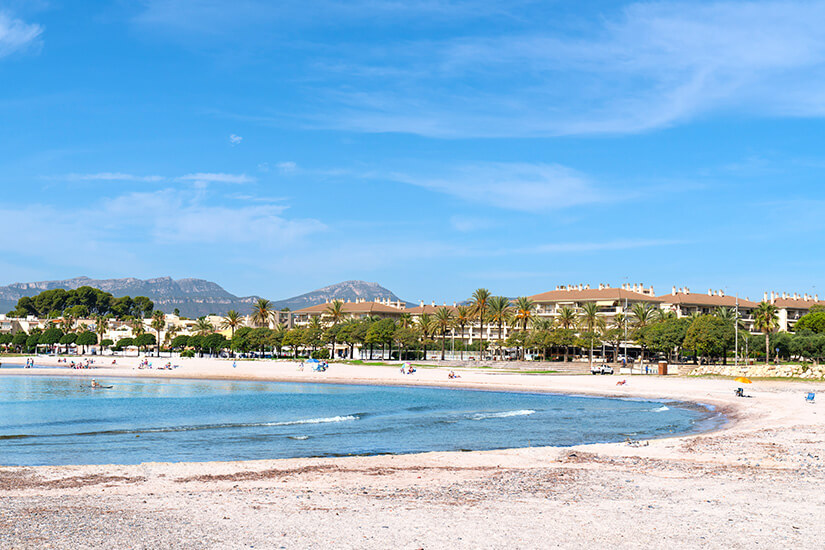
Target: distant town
<point>597,323</point>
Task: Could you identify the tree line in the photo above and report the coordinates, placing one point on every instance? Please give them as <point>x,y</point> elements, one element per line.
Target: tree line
<point>81,303</point>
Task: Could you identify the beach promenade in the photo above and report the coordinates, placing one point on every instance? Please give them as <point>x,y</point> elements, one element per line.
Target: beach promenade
<point>757,482</point>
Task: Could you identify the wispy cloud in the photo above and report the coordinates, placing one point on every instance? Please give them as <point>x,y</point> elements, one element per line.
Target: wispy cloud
<point>16,35</point>
<point>173,217</point>
<point>650,66</point>
<point>515,186</point>
<point>287,167</point>
<point>235,139</point>
<point>128,226</point>
<point>207,177</point>
<point>112,176</point>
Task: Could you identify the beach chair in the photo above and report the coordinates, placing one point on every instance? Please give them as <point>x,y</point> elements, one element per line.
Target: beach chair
<point>810,397</point>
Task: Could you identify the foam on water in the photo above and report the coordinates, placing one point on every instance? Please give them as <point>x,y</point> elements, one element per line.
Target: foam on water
<point>504,414</point>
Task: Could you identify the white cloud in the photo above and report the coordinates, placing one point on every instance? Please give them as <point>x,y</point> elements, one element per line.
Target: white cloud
<point>287,167</point>
<point>111,176</point>
<point>15,34</point>
<point>131,229</point>
<point>206,177</point>
<point>515,186</point>
<point>651,66</point>
<point>235,139</point>
<point>173,217</point>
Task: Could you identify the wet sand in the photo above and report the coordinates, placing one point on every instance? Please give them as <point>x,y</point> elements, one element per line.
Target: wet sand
<point>755,482</point>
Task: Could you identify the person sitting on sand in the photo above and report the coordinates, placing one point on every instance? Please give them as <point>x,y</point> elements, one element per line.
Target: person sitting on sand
<point>621,382</point>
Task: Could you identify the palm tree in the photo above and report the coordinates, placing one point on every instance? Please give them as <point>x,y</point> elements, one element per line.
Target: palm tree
<point>618,322</point>
<point>664,314</point>
<point>335,311</point>
<point>426,326</point>
<point>68,322</point>
<point>171,331</point>
<point>590,321</point>
<point>480,302</point>
<point>524,315</point>
<point>203,327</point>
<point>138,327</point>
<point>499,310</point>
<point>158,324</point>
<point>728,315</point>
<point>765,320</point>
<point>101,327</point>
<point>262,312</point>
<point>232,320</point>
<point>443,321</point>
<point>567,319</point>
<point>642,313</point>
<point>405,320</point>
<point>463,317</point>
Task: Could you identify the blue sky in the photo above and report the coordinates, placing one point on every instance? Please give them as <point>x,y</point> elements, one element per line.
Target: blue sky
<point>434,146</point>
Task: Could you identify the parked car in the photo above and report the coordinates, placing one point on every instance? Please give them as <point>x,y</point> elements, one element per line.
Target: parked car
<point>604,368</point>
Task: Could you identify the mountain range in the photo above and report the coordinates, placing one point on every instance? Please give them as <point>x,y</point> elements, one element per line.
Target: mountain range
<point>194,297</point>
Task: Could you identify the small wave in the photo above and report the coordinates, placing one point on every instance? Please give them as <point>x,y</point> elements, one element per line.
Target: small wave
<point>663,408</point>
<point>298,437</point>
<point>310,421</point>
<point>169,429</point>
<point>504,414</point>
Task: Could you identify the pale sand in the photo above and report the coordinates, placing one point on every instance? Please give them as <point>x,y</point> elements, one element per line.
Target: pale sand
<point>758,482</point>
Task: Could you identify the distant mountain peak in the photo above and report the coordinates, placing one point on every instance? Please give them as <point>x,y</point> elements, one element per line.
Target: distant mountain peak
<point>345,290</point>
<point>194,297</point>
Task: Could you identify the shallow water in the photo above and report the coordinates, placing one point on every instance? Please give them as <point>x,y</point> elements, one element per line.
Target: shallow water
<point>61,420</point>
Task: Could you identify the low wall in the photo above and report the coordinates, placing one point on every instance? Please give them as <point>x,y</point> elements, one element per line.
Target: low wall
<point>813,372</point>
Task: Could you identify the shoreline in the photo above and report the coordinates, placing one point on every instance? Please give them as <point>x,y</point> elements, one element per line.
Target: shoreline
<point>714,420</point>
<point>763,469</point>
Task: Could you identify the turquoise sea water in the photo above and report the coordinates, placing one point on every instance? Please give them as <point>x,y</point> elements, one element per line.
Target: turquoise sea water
<point>61,420</point>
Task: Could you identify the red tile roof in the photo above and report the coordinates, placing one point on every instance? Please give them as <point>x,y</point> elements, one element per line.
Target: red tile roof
<point>706,300</point>
<point>418,310</point>
<point>593,294</point>
<point>790,303</point>
<point>353,308</point>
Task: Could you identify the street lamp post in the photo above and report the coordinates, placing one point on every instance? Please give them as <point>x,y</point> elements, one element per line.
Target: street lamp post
<point>736,334</point>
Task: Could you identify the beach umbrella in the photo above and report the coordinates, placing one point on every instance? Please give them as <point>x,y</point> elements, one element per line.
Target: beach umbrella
<point>743,380</point>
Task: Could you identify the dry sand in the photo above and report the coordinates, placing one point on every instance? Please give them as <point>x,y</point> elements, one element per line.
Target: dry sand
<point>758,482</point>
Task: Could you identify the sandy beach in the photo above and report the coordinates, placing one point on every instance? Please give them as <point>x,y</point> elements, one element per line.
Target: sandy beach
<point>757,481</point>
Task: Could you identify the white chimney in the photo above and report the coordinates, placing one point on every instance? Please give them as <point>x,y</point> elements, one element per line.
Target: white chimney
<point>421,303</point>
<point>765,296</point>
<point>710,292</point>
